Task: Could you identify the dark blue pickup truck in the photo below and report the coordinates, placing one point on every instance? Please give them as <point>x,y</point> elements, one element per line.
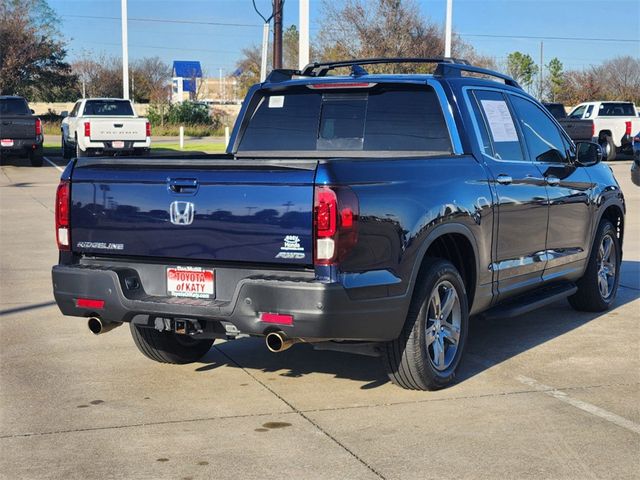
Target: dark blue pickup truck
<point>370,213</point>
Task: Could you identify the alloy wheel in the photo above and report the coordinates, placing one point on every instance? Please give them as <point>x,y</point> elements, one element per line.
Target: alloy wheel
<point>442,326</point>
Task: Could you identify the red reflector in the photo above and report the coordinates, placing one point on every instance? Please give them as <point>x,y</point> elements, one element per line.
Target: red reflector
<point>276,318</point>
<point>89,303</point>
<point>322,86</point>
<point>627,128</point>
<point>38,126</point>
<point>148,127</point>
<point>87,129</point>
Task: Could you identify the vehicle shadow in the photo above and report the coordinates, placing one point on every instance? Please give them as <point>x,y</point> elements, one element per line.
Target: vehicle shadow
<point>494,341</point>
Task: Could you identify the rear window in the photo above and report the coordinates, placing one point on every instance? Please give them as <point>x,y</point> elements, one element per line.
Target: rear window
<point>379,119</point>
<point>108,107</point>
<point>14,106</point>
<point>616,110</point>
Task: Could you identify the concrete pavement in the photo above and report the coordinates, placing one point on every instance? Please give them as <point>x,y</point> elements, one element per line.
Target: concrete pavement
<point>553,394</point>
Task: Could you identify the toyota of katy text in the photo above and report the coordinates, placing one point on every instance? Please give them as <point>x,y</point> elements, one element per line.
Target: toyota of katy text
<point>373,214</point>
<point>104,126</point>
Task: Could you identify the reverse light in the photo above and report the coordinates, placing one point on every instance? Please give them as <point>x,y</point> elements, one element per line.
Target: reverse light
<point>90,303</point>
<point>148,128</point>
<point>627,128</point>
<point>38,127</point>
<point>335,223</point>
<point>62,215</point>
<point>87,129</point>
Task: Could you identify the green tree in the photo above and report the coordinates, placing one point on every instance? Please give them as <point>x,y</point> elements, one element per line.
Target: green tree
<point>555,78</point>
<point>32,56</point>
<point>522,68</point>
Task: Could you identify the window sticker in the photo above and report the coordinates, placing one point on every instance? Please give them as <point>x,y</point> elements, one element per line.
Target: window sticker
<point>276,101</point>
<point>500,121</point>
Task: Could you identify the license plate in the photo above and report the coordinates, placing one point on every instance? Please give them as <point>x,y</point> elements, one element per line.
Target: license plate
<point>193,282</point>
<point>6,142</point>
<point>118,144</point>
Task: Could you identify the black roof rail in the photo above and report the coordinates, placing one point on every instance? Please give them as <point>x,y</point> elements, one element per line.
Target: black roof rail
<point>320,69</point>
<point>455,70</point>
<point>446,67</point>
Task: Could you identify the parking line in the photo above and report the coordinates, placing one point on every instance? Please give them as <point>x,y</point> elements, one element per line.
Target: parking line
<point>584,406</point>
<point>53,164</point>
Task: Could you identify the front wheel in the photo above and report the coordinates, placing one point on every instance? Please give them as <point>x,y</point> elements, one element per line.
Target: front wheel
<point>169,347</point>
<point>598,287</point>
<point>427,353</point>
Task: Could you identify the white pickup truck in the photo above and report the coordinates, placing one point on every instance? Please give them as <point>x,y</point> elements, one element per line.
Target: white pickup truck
<point>104,126</point>
<point>612,125</point>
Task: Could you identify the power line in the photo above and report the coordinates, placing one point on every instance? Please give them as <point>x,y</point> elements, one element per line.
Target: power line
<point>165,48</point>
<point>164,20</point>
<point>581,39</point>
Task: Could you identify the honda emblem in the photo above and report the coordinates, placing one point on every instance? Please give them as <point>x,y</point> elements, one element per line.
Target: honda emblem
<point>181,213</point>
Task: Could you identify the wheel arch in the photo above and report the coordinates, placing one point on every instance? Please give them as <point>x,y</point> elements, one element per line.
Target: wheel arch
<point>456,243</point>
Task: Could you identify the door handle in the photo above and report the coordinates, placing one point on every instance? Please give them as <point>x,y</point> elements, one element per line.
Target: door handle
<point>183,185</point>
<point>552,181</point>
<point>504,179</point>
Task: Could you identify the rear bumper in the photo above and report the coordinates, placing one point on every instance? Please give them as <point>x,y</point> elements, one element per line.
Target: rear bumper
<point>23,146</point>
<point>106,147</point>
<point>319,310</point>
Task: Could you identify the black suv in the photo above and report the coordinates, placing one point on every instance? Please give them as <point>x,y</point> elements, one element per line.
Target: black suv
<point>20,131</point>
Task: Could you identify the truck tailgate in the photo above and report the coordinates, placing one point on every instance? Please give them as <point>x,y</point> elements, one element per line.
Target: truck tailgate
<point>108,129</point>
<point>578,129</point>
<point>254,211</point>
<point>17,127</point>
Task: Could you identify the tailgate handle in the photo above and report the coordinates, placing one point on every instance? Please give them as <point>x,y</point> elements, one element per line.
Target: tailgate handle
<point>118,125</point>
<point>183,185</point>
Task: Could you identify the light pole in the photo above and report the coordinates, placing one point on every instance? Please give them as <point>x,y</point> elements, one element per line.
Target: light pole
<point>125,52</point>
<point>303,40</point>
<point>447,29</point>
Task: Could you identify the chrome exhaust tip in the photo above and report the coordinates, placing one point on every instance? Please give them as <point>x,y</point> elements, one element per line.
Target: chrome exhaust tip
<point>278,342</point>
<point>98,326</point>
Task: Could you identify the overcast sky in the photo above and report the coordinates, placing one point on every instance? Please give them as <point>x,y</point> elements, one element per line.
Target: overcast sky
<point>597,28</point>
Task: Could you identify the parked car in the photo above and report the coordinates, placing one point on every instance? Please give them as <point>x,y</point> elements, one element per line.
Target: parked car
<point>366,213</point>
<point>20,131</point>
<point>635,166</point>
<point>104,126</point>
<point>609,123</point>
<point>557,110</point>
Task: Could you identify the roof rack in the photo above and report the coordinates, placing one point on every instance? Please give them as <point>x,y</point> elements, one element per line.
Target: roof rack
<point>446,67</point>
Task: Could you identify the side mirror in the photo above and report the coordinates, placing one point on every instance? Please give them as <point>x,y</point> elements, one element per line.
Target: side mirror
<point>588,153</point>
<point>64,114</point>
<point>33,112</point>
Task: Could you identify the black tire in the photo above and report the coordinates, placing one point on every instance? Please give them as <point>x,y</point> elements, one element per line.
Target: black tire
<point>408,359</point>
<point>35,158</point>
<point>609,148</point>
<point>66,151</point>
<point>589,297</point>
<point>169,347</point>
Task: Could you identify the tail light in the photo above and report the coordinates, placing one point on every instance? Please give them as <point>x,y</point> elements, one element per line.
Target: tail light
<point>336,213</point>
<point>593,129</point>
<point>148,128</point>
<point>627,128</point>
<point>38,127</point>
<point>62,215</point>
<point>340,85</point>
<point>87,129</point>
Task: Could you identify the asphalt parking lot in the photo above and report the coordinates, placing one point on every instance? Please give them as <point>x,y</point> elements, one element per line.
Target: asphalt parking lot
<point>552,394</point>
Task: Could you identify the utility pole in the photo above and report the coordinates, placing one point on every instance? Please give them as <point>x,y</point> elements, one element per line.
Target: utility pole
<point>541,70</point>
<point>303,39</point>
<point>447,29</point>
<point>125,52</point>
<point>277,33</point>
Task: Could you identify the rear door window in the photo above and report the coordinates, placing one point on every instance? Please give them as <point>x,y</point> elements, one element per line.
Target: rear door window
<point>501,125</point>
<point>384,118</point>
